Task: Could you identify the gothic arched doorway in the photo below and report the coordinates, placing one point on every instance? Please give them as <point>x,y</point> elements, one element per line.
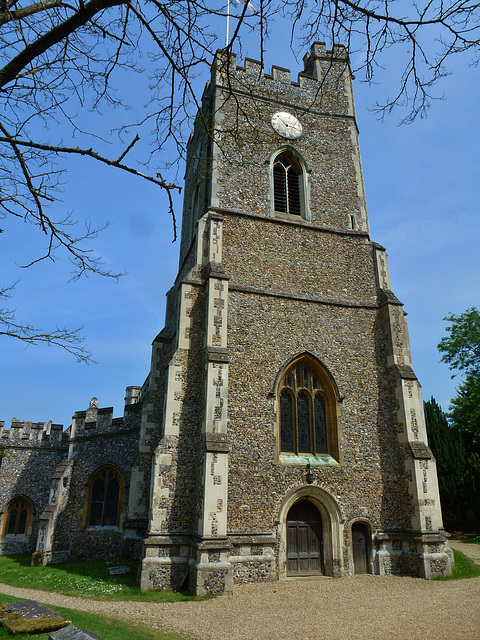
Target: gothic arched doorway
<point>304,540</point>
<point>361,547</point>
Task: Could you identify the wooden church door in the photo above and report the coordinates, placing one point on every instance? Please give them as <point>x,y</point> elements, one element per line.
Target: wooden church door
<point>361,548</point>
<point>304,540</point>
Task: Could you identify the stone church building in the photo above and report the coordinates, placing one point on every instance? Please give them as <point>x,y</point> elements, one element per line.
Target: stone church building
<point>280,430</point>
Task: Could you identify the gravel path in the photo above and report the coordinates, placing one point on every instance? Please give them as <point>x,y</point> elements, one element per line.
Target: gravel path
<point>360,608</point>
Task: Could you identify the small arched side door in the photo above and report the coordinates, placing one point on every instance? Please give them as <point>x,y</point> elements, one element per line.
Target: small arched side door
<point>361,547</point>
<point>304,540</point>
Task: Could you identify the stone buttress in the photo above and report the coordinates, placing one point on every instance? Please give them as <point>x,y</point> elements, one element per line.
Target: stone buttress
<point>421,549</point>
<point>187,543</point>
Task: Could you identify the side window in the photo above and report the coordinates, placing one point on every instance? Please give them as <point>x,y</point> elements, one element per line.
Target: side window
<point>289,185</point>
<point>195,209</point>
<point>17,519</point>
<point>307,414</point>
<point>105,496</point>
<point>196,204</point>
<point>198,153</point>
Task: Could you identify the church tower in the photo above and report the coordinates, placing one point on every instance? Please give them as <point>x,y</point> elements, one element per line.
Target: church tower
<point>282,426</point>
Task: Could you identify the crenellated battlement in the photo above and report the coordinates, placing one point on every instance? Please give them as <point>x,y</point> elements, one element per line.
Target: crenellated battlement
<point>27,433</point>
<point>100,421</point>
<point>318,63</point>
<point>93,420</point>
<point>322,89</point>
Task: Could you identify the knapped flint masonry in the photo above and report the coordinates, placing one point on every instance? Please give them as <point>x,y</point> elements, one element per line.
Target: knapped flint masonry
<point>280,431</point>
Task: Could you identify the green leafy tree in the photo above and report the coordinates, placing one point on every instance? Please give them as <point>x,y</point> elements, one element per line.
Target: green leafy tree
<point>472,488</point>
<point>465,410</point>
<point>461,348</point>
<point>461,351</point>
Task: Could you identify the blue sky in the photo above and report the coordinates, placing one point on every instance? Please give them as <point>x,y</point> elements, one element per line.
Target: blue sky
<point>423,191</point>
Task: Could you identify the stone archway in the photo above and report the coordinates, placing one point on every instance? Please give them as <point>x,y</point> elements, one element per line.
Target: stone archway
<point>311,531</point>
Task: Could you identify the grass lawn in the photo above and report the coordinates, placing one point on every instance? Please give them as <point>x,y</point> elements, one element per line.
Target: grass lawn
<point>82,579</point>
<point>106,628</point>
<point>475,540</point>
<point>464,568</point>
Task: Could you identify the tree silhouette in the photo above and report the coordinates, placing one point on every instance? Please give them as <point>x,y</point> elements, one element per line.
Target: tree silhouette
<point>61,58</point>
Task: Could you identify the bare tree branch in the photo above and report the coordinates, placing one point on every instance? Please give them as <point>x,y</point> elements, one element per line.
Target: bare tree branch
<point>7,16</point>
<point>59,58</point>
<point>67,339</point>
<point>91,154</point>
<point>70,340</point>
<point>58,33</point>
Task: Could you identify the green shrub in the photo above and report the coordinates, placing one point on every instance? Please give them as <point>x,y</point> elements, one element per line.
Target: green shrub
<point>475,540</point>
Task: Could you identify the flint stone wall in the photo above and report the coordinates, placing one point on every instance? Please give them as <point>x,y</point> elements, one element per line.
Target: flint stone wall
<point>92,451</point>
<point>22,463</point>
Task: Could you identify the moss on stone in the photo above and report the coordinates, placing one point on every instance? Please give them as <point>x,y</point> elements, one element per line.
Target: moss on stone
<point>17,624</point>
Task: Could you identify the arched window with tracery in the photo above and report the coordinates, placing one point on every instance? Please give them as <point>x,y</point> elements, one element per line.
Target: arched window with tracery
<point>17,519</point>
<point>105,495</point>
<point>288,188</point>
<point>307,410</point>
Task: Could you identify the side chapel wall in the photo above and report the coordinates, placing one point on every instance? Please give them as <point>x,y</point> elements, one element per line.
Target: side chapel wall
<point>61,464</point>
<point>32,450</point>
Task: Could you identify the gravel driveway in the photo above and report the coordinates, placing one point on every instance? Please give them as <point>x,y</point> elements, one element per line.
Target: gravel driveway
<point>320,608</point>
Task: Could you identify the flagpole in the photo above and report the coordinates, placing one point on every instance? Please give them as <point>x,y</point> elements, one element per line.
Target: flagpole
<point>228,22</point>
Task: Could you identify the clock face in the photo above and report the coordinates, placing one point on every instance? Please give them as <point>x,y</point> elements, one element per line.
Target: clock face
<point>286,125</point>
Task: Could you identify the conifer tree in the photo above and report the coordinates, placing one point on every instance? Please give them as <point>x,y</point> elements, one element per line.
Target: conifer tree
<point>455,437</point>
<point>448,447</point>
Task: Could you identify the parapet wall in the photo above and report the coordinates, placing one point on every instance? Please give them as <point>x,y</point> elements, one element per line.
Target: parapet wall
<point>32,434</point>
<point>94,420</point>
<point>100,421</point>
<point>316,65</point>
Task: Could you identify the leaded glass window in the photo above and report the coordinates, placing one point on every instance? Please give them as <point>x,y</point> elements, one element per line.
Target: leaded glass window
<point>12,521</point>
<point>320,423</point>
<point>22,521</point>
<point>306,410</point>
<point>18,517</point>
<point>111,503</point>
<point>105,498</point>
<point>303,422</point>
<point>286,421</point>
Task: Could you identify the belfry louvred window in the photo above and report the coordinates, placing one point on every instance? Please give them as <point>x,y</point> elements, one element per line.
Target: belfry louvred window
<point>307,415</point>
<point>287,174</point>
